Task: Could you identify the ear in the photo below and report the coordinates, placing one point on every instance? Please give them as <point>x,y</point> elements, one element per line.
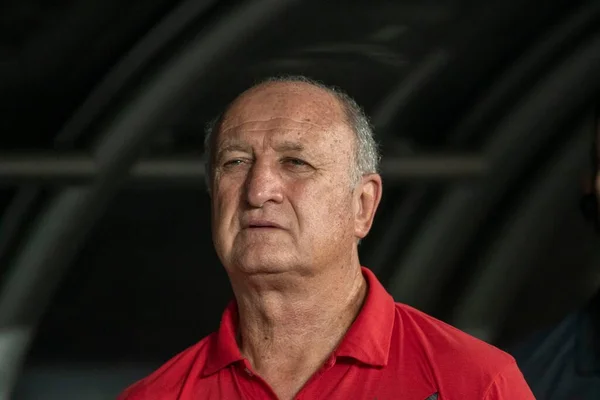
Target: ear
<point>367,196</point>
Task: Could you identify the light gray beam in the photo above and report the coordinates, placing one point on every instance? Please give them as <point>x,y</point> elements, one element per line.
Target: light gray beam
<point>63,169</point>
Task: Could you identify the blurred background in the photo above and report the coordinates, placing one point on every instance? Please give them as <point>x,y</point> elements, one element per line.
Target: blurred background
<point>485,115</point>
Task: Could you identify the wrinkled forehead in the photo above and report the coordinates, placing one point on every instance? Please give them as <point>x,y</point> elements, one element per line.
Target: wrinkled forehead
<point>295,101</point>
<point>292,110</point>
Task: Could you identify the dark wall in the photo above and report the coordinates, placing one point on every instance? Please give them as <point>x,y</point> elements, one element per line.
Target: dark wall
<point>147,284</point>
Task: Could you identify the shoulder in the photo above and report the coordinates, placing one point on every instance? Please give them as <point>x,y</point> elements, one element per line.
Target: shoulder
<point>446,341</point>
<point>171,375</point>
<point>455,357</point>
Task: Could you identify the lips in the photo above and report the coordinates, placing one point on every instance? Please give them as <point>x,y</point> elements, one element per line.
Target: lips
<point>260,223</point>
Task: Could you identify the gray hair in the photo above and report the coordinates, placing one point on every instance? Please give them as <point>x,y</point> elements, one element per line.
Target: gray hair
<point>366,155</point>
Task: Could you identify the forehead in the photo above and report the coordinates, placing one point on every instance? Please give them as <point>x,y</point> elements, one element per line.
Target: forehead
<point>298,111</point>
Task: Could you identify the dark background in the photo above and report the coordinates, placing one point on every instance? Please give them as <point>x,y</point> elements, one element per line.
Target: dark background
<point>484,112</point>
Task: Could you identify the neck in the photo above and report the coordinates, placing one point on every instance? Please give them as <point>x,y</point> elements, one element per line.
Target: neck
<point>287,331</point>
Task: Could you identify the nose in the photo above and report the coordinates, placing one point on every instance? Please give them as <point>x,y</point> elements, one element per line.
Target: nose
<point>263,184</point>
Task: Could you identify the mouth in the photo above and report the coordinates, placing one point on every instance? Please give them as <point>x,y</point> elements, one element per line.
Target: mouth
<point>262,225</point>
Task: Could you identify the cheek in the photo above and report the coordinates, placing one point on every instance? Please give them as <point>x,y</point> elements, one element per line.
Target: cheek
<point>224,207</point>
<point>327,211</point>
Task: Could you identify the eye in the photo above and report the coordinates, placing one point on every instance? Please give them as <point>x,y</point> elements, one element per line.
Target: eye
<point>295,162</point>
<point>234,162</point>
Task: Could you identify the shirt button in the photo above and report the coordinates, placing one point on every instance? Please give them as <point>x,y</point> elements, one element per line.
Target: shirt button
<point>248,371</point>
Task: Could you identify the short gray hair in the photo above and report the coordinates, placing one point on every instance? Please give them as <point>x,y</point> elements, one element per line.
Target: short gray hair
<point>367,156</point>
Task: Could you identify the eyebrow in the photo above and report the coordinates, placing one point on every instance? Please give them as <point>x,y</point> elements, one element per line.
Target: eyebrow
<point>231,147</point>
<point>288,146</point>
<point>245,148</point>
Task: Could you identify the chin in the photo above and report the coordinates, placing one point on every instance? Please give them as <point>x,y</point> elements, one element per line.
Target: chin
<point>267,264</point>
<point>258,252</point>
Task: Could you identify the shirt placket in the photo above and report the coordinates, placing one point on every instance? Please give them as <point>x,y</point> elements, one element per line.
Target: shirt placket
<point>253,386</point>
<point>305,392</point>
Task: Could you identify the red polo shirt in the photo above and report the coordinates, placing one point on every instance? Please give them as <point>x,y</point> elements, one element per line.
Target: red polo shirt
<point>391,352</point>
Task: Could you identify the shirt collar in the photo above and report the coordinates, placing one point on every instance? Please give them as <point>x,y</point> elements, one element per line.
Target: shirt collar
<point>223,348</point>
<point>368,339</point>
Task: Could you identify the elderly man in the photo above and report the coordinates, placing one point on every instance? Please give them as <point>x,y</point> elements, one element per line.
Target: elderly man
<point>294,186</point>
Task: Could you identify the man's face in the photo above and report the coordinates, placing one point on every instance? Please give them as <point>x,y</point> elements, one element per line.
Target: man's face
<point>282,195</point>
